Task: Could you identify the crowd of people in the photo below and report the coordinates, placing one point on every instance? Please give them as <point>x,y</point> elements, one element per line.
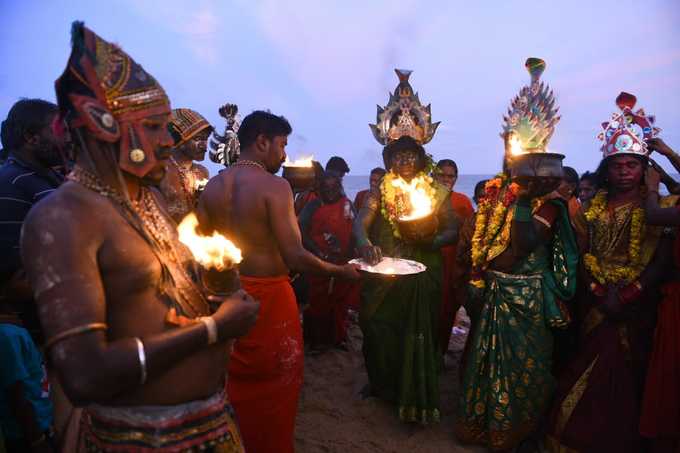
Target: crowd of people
<point>110,341</point>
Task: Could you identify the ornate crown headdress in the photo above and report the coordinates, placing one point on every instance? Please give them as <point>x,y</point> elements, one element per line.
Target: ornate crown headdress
<point>404,115</point>
<point>104,90</point>
<point>627,132</point>
<point>225,148</point>
<point>186,123</point>
<point>532,115</point>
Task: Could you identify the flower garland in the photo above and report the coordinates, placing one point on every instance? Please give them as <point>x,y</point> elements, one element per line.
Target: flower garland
<point>626,274</point>
<point>493,209</point>
<point>395,203</point>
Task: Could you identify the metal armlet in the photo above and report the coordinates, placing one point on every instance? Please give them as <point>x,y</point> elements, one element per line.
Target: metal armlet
<point>86,328</point>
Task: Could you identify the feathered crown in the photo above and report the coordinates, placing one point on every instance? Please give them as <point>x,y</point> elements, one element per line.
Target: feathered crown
<point>627,132</point>
<point>532,115</point>
<point>404,115</point>
<point>225,148</point>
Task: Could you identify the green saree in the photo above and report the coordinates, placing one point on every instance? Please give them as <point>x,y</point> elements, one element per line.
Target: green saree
<point>398,318</point>
<point>507,383</point>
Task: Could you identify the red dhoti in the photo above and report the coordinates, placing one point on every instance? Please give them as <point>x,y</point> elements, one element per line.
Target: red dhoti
<point>265,369</point>
<point>329,302</point>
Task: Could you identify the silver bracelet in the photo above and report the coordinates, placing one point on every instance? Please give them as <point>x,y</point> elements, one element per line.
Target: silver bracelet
<point>142,361</point>
<point>211,327</point>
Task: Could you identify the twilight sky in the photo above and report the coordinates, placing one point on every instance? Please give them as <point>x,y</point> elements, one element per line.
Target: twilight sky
<point>326,64</point>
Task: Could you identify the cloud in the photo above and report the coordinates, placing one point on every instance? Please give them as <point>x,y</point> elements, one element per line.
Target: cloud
<point>339,64</point>
<point>198,24</point>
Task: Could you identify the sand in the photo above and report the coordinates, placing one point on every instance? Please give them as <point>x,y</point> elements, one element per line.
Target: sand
<point>334,418</point>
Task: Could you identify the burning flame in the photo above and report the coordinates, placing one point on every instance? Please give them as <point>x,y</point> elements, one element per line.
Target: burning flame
<point>516,146</point>
<point>214,251</point>
<point>301,162</point>
<point>421,204</point>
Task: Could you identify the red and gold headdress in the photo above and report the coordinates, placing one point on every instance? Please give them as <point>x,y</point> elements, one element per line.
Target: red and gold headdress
<point>627,132</point>
<point>105,91</point>
<point>186,123</point>
<point>404,115</point>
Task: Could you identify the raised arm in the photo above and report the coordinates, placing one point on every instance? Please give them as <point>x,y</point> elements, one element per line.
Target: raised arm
<point>62,262</point>
<point>287,234</point>
<point>658,145</point>
<point>655,214</point>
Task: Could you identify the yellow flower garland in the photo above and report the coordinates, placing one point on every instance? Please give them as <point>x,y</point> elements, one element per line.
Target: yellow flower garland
<point>392,208</point>
<point>491,216</point>
<point>625,274</point>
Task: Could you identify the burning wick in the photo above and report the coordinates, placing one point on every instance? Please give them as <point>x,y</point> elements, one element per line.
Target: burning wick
<point>301,162</point>
<point>421,204</point>
<point>214,251</point>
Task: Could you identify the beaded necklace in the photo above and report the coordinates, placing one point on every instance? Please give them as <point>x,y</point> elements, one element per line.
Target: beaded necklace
<point>156,229</point>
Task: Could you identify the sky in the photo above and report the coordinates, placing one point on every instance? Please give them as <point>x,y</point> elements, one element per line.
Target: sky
<point>325,65</point>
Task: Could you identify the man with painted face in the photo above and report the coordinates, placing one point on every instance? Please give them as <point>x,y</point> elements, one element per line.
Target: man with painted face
<point>597,403</point>
<point>132,337</point>
<point>326,227</point>
<point>399,317</point>
<point>253,207</point>
<point>184,178</point>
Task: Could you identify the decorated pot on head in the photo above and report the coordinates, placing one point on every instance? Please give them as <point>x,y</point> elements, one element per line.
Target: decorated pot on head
<point>527,129</point>
<point>300,173</point>
<point>409,194</point>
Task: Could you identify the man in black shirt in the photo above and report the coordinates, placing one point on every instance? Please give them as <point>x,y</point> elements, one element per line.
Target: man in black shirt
<point>26,177</point>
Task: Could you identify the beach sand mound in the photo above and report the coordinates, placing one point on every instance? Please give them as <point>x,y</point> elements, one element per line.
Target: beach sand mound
<point>333,417</point>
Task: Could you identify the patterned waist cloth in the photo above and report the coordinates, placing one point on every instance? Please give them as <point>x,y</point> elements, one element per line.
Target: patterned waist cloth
<point>206,425</point>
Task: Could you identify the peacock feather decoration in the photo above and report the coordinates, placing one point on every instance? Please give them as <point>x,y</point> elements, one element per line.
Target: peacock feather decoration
<point>532,115</point>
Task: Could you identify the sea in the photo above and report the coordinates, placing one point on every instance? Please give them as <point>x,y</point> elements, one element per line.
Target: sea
<point>465,184</point>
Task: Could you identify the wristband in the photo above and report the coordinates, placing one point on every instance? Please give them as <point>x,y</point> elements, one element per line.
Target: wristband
<point>211,327</point>
<point>142,361</point>
<point>522,213</point>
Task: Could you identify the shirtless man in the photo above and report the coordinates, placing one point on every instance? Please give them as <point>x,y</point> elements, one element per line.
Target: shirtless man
<point>132,337</point>
<point>255,208</point>
<point>184,179</point>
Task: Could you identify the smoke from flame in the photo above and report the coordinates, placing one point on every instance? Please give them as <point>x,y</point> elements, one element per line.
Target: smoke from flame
<point>214,251</point>
<point>421,204</point>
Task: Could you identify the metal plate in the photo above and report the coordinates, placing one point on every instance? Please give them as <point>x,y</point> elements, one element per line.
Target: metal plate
<point>391,266</point>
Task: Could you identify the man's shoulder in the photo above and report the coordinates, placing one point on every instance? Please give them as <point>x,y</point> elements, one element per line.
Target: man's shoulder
<point>70,203</point>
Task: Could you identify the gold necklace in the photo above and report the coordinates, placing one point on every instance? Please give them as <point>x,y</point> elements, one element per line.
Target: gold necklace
<point>249,163</point>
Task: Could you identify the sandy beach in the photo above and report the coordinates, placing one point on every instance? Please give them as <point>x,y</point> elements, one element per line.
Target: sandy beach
<point>334,418</point>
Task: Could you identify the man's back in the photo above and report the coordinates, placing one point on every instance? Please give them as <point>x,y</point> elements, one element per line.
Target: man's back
<point>242,201</point>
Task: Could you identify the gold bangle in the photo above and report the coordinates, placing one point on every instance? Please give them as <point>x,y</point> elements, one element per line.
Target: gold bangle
<point>86,328</point>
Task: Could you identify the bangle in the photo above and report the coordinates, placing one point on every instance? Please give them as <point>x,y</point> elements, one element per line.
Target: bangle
<point>142,361</point>
<point>38,441</point>
<point>638,285</point>
<point>211,327</point>
<point>85,328</point>
<point>522,213</point>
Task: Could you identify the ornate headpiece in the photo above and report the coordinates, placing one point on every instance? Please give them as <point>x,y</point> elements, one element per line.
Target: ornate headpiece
<point>225,148</point>
<point>104,90</point>
<point>627,132</point>
<point>404,115</point>
<point>532,114</point>
<point>185,123</point>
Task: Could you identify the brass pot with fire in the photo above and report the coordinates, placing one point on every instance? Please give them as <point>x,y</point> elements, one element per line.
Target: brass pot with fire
<point>217,256</point>
<point>300,173</point>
